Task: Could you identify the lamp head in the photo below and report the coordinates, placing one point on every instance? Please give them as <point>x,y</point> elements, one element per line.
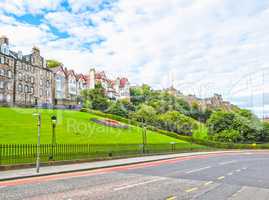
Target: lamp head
<point>54,119</point>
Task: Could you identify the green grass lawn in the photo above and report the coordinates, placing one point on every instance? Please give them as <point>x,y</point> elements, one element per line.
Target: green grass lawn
<point>19,126</point>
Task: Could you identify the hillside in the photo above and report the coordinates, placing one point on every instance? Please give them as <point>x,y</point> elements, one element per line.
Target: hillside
<point>19,126</point>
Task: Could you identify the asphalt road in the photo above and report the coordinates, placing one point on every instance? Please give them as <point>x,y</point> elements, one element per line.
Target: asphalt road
<point>233,176</point>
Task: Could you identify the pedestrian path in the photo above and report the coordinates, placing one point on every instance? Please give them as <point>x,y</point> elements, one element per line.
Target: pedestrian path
<point>49,170</point>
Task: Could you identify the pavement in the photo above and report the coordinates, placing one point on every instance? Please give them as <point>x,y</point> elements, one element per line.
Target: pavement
<point>234,175</point>
<point>49,170</point>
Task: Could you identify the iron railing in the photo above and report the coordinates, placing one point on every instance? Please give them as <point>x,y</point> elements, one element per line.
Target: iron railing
<point>11,154</point>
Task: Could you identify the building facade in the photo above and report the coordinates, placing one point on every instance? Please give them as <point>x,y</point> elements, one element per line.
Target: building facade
<point>7,67</point>
<point>25,80</point>
<point>33,80</point>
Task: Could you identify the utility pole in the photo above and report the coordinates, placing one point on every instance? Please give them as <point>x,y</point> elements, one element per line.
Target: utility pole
<point>38,142</point>
<point>144,136</point>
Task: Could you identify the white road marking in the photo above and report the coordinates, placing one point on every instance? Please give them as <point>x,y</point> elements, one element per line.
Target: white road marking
<point>238,170</point>
<point>228,162</point>
<point>137,184</point>
<point>171,198</point>
<point>198,170</point>
<point>221,177</point>
<point>230,174</point>
<point>244,168</point>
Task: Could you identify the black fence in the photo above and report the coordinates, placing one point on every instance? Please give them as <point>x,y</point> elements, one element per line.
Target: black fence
<point>11,154</point>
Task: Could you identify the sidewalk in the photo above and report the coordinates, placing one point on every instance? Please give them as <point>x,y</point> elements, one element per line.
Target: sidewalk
<point>50,170</point>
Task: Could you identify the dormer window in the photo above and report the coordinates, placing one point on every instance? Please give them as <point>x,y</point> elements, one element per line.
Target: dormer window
<point>5,49</point>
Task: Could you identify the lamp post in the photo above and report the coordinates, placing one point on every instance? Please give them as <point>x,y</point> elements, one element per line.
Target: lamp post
<point>53,139</point>
<point>38,142</point>
<point>144,137</point>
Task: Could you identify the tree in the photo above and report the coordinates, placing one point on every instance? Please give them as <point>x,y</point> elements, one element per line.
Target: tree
<point>117,108</point>
<point>250,130</point>
<point>145,114</point>
<point>177,122</point>
<point>95,98</point>
<point>228,135</point>
<point>53,63</point>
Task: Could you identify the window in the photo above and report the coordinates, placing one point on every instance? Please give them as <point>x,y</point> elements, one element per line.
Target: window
<point>26,89</point>
<point>32,79</point>
<point>32,90</point>
<point>20,87</point>
<point>9,74</point>
<point>8,98</point>
<point>20,76</point>
<point>2,72</point>
<point>48,83</point>
<point>1,97</point>
<point>9,86</point>
<point>2,60</point>
<point>5,49</point>
<point>40,92</point>
<point>1,84</point>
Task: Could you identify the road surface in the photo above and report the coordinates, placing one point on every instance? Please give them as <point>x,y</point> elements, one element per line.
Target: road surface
<point>233,176</point>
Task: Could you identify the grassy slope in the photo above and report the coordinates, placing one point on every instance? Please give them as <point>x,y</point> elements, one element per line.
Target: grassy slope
<point>19,126</point>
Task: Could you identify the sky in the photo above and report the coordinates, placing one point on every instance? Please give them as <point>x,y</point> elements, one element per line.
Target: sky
<point>202,47</point>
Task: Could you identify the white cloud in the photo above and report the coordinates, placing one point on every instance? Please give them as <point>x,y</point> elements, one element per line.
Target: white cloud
<point>21,7</point>
<point>83,5</point>
<point>204,46</point>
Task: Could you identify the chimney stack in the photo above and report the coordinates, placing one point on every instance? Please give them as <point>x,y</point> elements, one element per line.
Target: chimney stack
<point>4,40</point>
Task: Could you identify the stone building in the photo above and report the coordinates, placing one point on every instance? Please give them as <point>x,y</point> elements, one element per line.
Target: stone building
<point>25,80</point>
<point>7,67</point>
<point>68,86</point>
<point>33,80</point>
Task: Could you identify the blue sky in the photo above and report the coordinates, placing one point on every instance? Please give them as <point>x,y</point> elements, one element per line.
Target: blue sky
<point>203,46</point>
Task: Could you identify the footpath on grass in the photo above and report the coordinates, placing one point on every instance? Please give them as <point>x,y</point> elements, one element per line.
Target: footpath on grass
<point>52,170</point>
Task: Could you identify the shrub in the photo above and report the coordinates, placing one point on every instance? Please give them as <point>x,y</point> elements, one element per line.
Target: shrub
<point>230,136</point>
<point>177,122</point>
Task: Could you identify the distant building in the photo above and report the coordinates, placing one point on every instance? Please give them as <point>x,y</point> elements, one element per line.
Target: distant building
<point>114,89</point>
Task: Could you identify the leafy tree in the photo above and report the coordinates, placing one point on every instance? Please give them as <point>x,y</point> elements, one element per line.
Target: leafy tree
<point>177,122</point>
<point>129,106</point>
<point>250,130</point>
<point>53,63</point>
<point>228,136</point>
<point>145,113</point>
<point>117,108</point>
<point>95,98</point>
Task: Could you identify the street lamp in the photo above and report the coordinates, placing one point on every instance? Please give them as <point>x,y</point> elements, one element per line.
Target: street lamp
<point>144,136</point>
<point>38,141</point>
<point>53,139</point>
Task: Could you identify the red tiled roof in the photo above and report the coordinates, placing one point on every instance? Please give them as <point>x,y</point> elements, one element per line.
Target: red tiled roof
<point>123,82</point>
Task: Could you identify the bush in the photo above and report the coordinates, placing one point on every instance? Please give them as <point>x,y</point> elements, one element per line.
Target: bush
<point>230,136</point>
<point>117,108</point>
<point>177,122</point>
<point>249,127</point>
